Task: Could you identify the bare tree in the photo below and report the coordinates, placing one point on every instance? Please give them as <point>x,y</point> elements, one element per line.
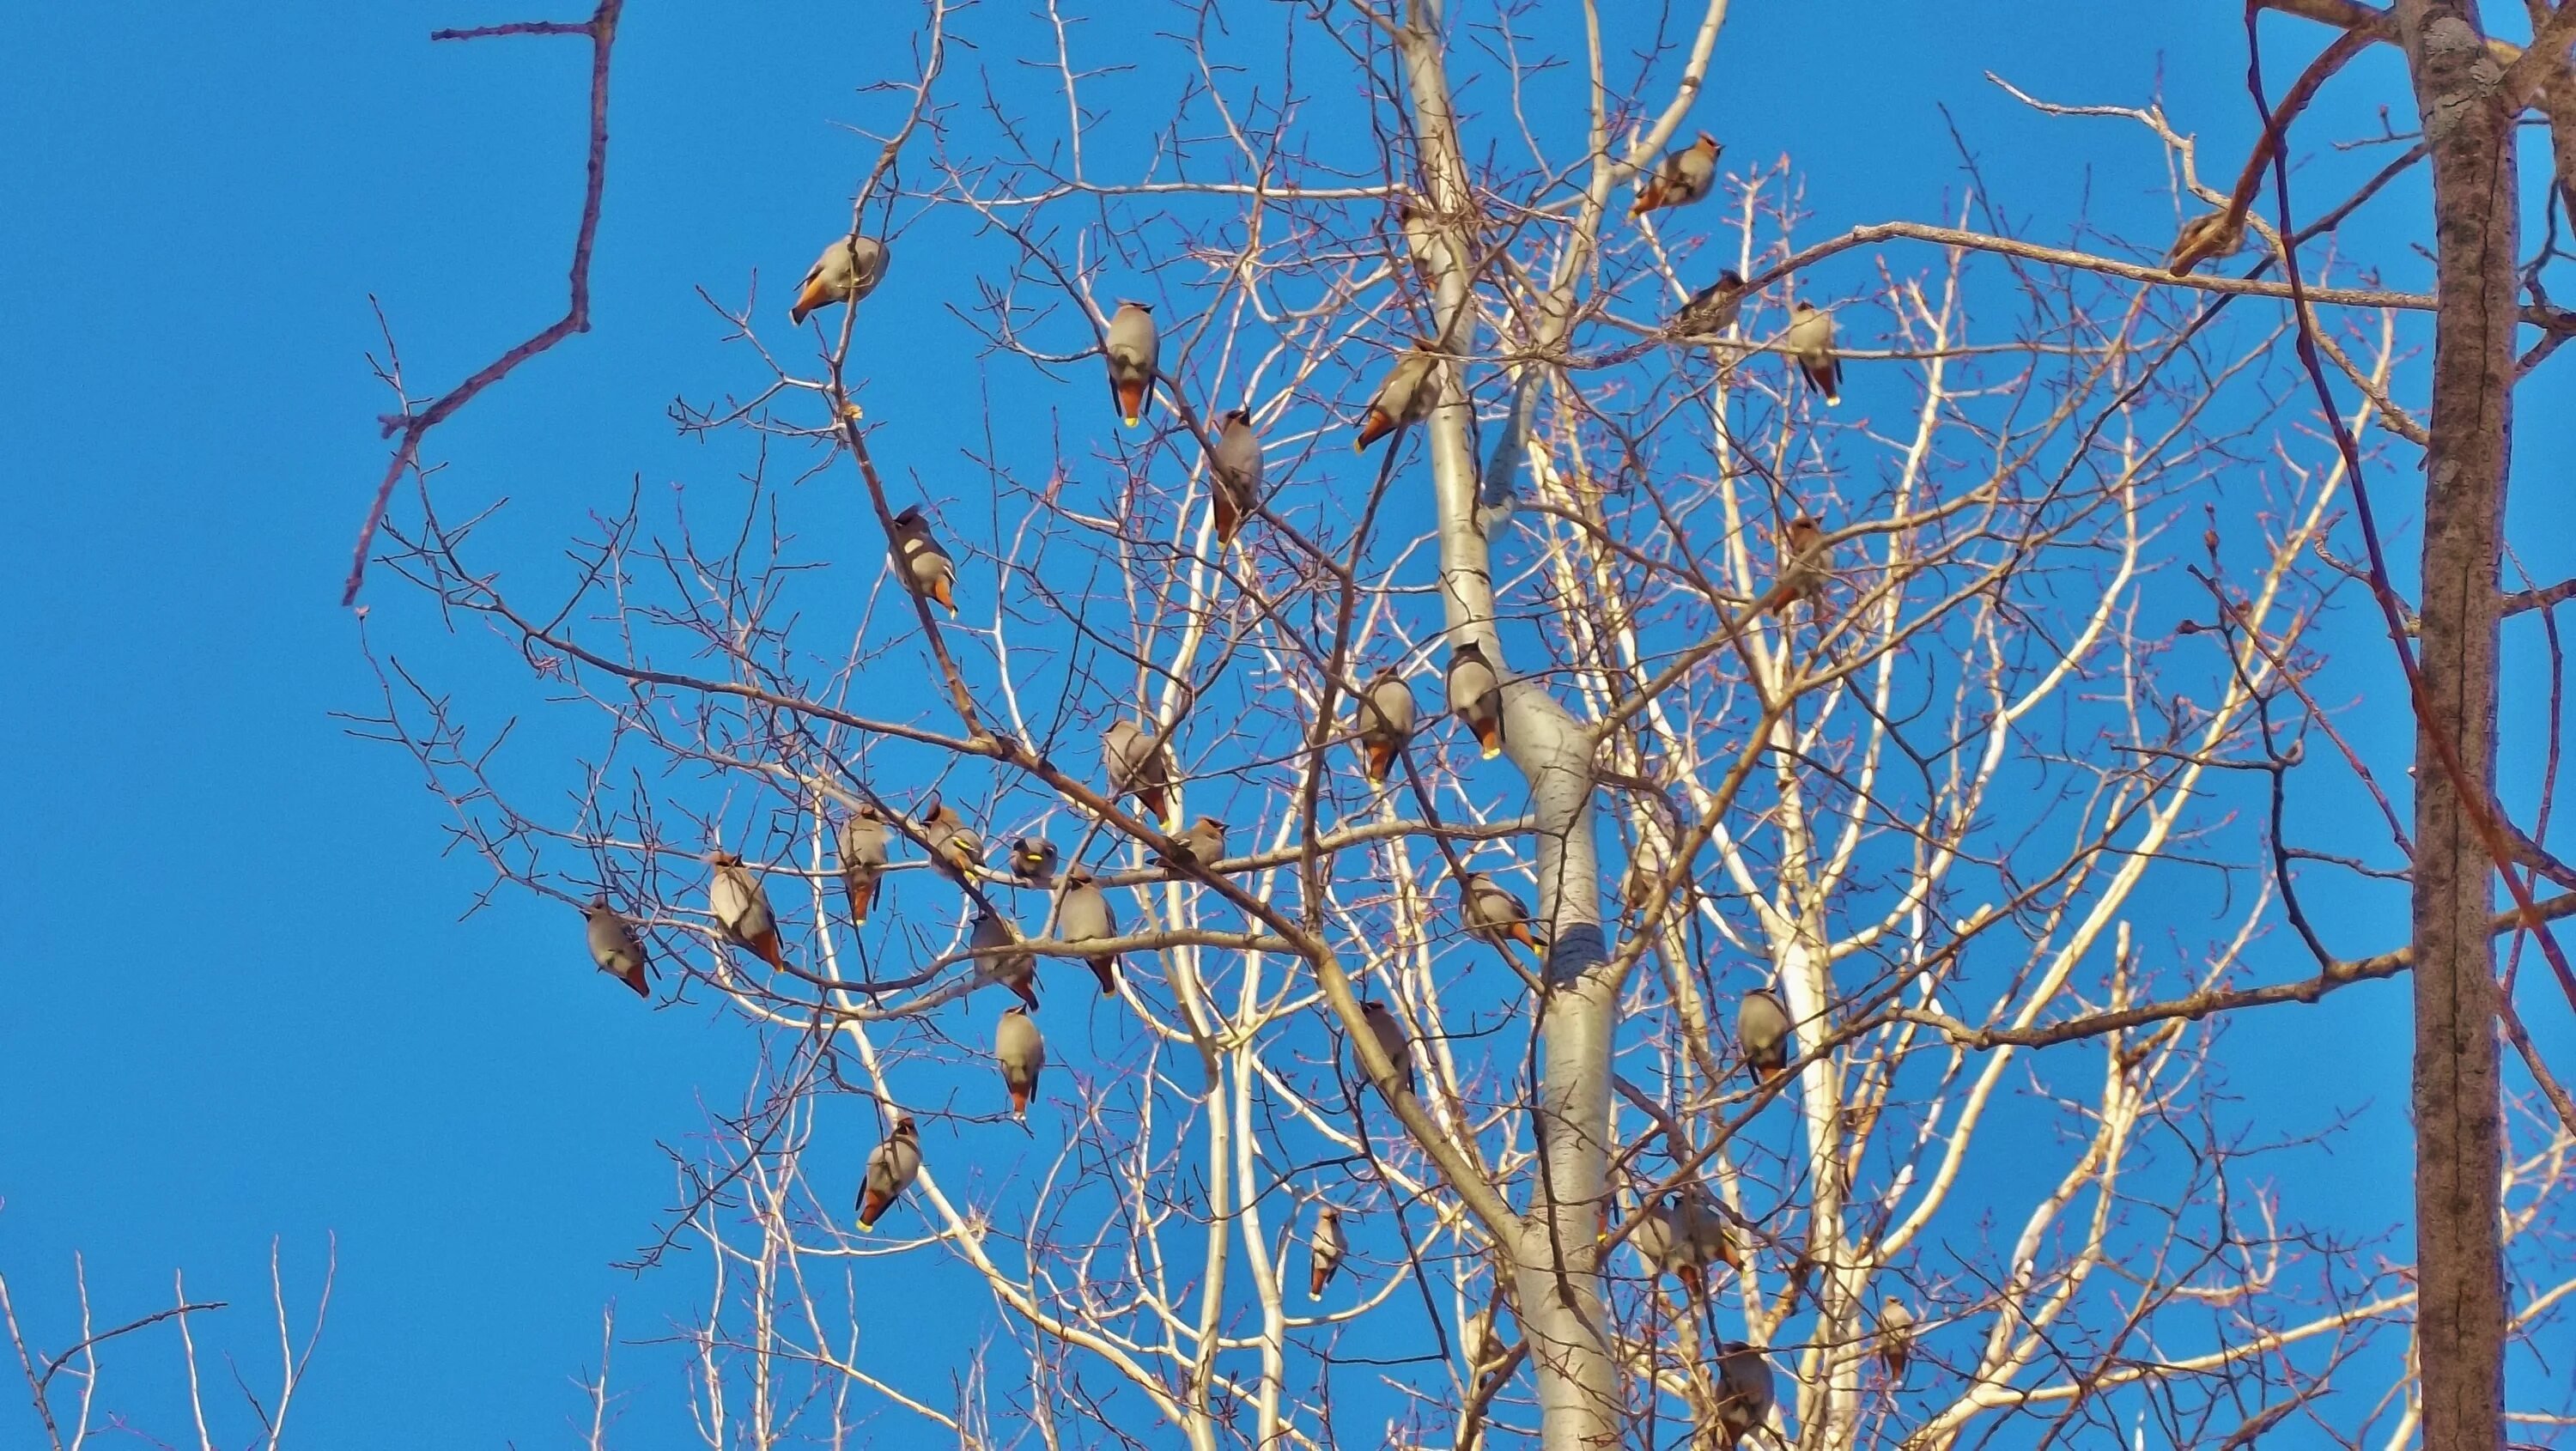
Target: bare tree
<point>1786,774</point>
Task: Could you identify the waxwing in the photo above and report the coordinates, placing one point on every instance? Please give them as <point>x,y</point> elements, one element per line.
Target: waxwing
<point>1033,861</point>
<point>1714,308</point>
<point>1806,563</point>
<point>954,846</point>
<point>1203,843</point>
<point>891,1170</point>
<point>1016,969</point>
<point>1811,341</point>
<point>1698,1238</point>
<point>1234,475</point>
<point>924,565</point>
<point>1743,1391</point>
<point>1405,397</point>
<point>741,908</point>
<point>863,859</point>
<point>2209,235</point>
<point>1131,349</point>
<point>1084,916</point>
<point>614,947</point>
<point>1895,1337</point>
<point>1762,1029</point>
<point>1139,766</point>
<point>1476,695</point>
<point>1324,1251</point>
<point>1682,177</point>
<point>848,270</point>
<point>1390,1038</point>
<point>1021,1051</point>
<point>1385,721</point>
<point>1493,915</point>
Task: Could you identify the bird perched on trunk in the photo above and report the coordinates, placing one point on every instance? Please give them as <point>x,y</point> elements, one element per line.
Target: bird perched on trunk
<point>1084,916</point>
<point>1405,397</point>
<point>1138,766</point>
<point>1021,1051</point>
<point>848,270</point>
<point>1234,475</point>
<point>614,947</point>
<point>1895,1337</point>
<point>1203,843</point>
<point>1806,563</point>
<point>2212,234</point>
<point>1033,860</point>
<point>1324,1251</point>
<point>1132,350</point>
<point>1476,695</point>
<point>1493,915</point>
<point>1712,309</point>
<point>1682,177</point>
<point>741,908</point>
<point>924,566</point>
<point>1743,1391</point>
<point>1016,968</point>
<point>1811,342</point>
<point>1390,1038</point>
<point>863,859</point>
<point>954,846</point>
<point>891,1169</point>
<point>1762,1028</point>
<point>1385,722</point>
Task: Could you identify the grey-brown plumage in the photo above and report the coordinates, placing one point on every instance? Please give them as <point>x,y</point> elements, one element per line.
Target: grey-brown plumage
<point>954,846</point>
<point>1806,563</point>
<point>1017,969</point>
<point>2211,234</point>
<point>1203,843</point>
<point>1895,1337</point>
<point>1743,1391</point>
<point>1084,916</point>
<point>1476,695</point>
<point>1483,1344</point>
<point>1714,308</point>
<point>1324,1251</point>
<point>1020,1050</point>
<point>613,945</point>
<point>1762,1029</point>
<point>1391,1039</point>
<point>1132,350</point>
<point>1682,177</point>
<point>1033,861</point>
<point>1811,341</point>
<point>1138,765</point>
<point>863,859</point>
<point>921,561</point>
<point>740,907</point>
<point>1386,714</point>
<point>1406,396</point>
<point>891,1170</point>
<point>1493,915</point>
<point>1234,475</point>
<point>848,270</point>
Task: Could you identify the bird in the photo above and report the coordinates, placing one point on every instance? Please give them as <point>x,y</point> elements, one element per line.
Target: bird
<point>1131,350</point>
<point>614,947</point>
<point>1493,915</point>
<point>2211,234</point>
<point>891,1169</point>
<point>925,566</point>
<point>1895,1337</point>
<point>1712,309</point>
<point>1033,860</point>
<point>1682,177</point>
<point>1476,695</point>
<point>1385,722</point>
<point>1699,1238</point>
<point>1203,843</point>
<point>1762,1028</point>
<point>1390,1038</point>
<point>1021,1050</point>
<point>1324,1251</point>
<point>1405,397</point>
<point>954,846</point>
<point>1743,1391</point>
<point>863,859</point>
<point>1483,1343</point>
<point>1084,916</point>
<point>1811,341</point>
<point>1234,475</point>
<point>741,908</point>
<point>1806,562</point>
<point>848,270</point>
<point>1138,766</point>
<point>1014,967</point>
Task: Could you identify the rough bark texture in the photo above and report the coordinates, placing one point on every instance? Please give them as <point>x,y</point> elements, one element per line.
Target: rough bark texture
<point>2459,1132</point>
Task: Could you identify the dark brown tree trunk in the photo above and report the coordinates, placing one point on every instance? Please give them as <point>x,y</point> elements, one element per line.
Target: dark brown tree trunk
<point>2458,1123</point>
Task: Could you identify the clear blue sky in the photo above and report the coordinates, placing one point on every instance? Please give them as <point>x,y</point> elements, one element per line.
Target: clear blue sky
<point>240,1002</point>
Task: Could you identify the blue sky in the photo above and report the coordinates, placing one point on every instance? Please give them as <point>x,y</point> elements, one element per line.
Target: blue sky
<point>241,1002</point>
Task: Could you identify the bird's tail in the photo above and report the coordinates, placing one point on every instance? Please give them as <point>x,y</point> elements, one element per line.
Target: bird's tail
<point>1105,968</point>
<point>1131,400</point>
<point>863,895</point>
<point>1381,755</point>
<point>1378,426</point>
<point>1489,734</point>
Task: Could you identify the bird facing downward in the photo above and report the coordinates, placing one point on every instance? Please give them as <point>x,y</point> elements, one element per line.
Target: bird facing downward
<point>849,269</point>
<point>1811,341</point>
<point>1132,349</point>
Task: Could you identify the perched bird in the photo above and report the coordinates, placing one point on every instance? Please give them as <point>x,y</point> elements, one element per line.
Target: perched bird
<point>924,565</point>
<point>1637,884</point>
<point>1016,969</point>
<point>1390,1038</point>
<point>1762,1028</point>
<point>1203,843</point>
<point>614,948</point>
<point>863,859</point>
<point>1895,1337</point>
<point>1033,860</point>
<point>1699,1238</point>
<point>1806,563</point>
<point>1234,475</point>
<point>1405,397</point>
<point>1138,766</point>
<point>741,908</point>
<point>954,846</point>
<point>1811,341</point>
<point>1476,695</point>
<point>891,1169</point>
<point>1483,1343</point>
<point>1324,1251</point>
<point>1084,916</point>
<point>1131,349</point>
<point>1681,178</point>
<point>2212,234</point>
<point>1712,309</point>
<point>1493,915</point>
<point>1021,1051</point>
<point>1385,721</point>
<point>848,270</point>
<point>1743,1391</point>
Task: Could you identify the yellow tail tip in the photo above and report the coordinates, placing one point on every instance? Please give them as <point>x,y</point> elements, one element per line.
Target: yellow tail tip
<point>1132,419</point>
<point>1492,751</point>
